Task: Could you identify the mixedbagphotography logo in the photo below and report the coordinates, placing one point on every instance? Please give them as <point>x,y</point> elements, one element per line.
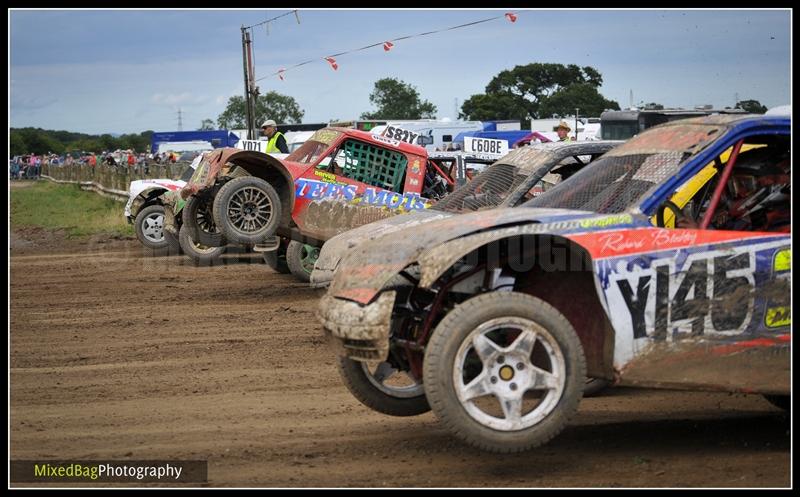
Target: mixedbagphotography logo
<point>33,471</point>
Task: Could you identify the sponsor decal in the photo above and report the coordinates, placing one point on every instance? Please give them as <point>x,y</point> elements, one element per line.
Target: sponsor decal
<point>327,177</point>
<point>317,190</point>
<point>606,221</point>
<point>777,315</point>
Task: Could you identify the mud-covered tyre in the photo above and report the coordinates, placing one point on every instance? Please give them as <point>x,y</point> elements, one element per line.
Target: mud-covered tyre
<point>504,371</point>
<point>300,258</point>
<point>594,386</point>
<point>374,387</point>
<point>276,259</point>
<point>200,255</point>
<point>781,401</point>
<point>247,210</point>
<point>198,219</point>
<point>149,227</point>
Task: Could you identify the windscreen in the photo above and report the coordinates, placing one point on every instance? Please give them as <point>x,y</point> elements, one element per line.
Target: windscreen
<point>493,185</point>
<point>619,180</point>
<point>310,151</point>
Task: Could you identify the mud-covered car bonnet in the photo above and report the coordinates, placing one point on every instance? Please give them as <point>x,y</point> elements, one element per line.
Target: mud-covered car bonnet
<point>364,271</point>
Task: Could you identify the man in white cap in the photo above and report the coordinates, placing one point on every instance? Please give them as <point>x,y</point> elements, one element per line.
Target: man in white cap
<point>563,130</point>
<point>277,142</point>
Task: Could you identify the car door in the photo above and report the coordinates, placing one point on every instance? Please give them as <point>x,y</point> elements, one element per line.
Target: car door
<point>706,306</point>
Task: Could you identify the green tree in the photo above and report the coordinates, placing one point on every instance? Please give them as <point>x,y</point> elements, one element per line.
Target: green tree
<point>753,106</point>
<point>521,91</point>
<point>17,143</point>
<point>206,124</point>
<point>582,96</point>
<point>484,107</point>
<point>273,105</point>
<point>40,142</point>
<point>653,106</point>
<point>395,99</point>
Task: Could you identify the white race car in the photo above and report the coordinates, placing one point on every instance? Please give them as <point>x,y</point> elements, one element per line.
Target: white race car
<point>146,211</point>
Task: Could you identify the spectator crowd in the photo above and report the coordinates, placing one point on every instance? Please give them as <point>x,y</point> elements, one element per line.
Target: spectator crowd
<point>30,166</point>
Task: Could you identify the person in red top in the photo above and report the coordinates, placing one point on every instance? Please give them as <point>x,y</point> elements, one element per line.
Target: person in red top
<point>131,159</point>
<point>92,160</point>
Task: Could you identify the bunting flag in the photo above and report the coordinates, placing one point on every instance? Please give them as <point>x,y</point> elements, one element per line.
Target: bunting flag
<point>387,45</point>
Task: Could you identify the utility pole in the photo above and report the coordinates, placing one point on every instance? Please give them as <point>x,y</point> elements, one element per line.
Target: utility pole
<point>180,120</point>
<point>455,109</point>
<point>250,92</point>
<point>735,99</point>
<point>576,123</point>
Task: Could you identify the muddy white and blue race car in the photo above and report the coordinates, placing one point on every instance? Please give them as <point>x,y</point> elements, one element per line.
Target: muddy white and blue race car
<point>145,208</point>
<point>665,263</point>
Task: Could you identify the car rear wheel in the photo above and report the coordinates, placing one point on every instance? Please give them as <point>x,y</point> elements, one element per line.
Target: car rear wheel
<point>247,210</point>
<point>504,371</point>
<point>300,257</point>
<point>276,259</point>
<point>383,388</point>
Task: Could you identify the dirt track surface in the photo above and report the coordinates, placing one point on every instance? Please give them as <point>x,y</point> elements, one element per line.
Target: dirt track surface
<point>119,355</point>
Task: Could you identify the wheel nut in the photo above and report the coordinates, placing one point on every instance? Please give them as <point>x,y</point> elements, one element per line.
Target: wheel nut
<point>520,366</point>
<point>501,359</point>
<point>513,386</point>
<point>493,379</point>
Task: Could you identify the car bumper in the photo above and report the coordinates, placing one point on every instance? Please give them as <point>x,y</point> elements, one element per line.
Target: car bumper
<point>321,277</point>
<point>360,332</point>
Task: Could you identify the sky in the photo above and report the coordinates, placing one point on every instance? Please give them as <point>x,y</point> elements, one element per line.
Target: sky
<point>126,71</point>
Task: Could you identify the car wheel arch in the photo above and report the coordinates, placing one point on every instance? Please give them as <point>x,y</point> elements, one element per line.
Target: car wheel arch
<point>563,288</point>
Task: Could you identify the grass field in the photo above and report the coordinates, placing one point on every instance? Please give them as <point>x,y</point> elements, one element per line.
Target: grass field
<point>51,205</point>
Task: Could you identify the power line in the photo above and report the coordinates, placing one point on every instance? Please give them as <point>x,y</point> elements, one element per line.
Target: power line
<point>387,44</point>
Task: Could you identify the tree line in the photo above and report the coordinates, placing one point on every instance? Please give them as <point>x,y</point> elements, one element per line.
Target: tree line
<point>42,141</point>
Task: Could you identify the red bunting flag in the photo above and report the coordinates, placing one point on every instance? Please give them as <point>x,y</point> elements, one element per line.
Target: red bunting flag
<point>511,17</point>
<point>387,45</point>
<point>280,73</point>
<point>332,62</point>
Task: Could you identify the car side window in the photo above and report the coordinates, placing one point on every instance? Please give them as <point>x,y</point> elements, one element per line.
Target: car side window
<point>367,163</point>
<point>755,197</point>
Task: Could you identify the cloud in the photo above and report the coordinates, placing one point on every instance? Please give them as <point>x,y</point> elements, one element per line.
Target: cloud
<point>33,103</point>
<point>173,99</point>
